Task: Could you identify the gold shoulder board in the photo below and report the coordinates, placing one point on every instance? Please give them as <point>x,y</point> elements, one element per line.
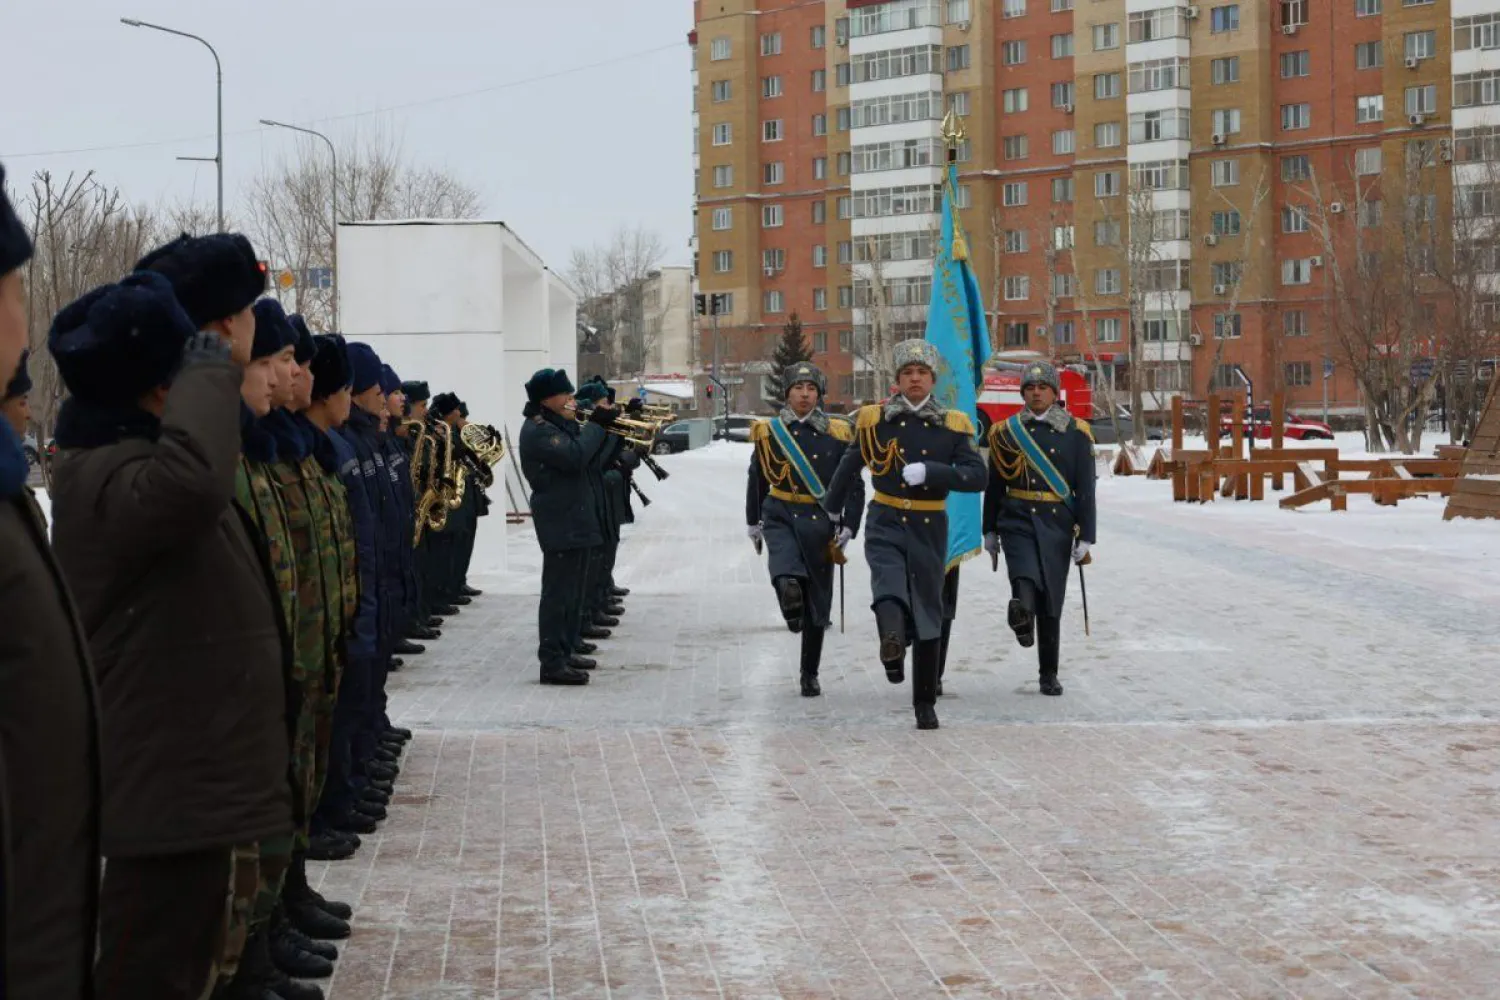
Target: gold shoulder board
<point>1083,425</point>
<point>868,417</point>
<point>960,422</point>
<point>759,431</point>
<point>841,429</point>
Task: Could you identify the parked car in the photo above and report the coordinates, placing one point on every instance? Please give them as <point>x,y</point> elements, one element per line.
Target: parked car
<point>672,439</point>
<point>1107,431</point>
<point>1297,427</point>
<point>29,446</point>
<point>735,427</point>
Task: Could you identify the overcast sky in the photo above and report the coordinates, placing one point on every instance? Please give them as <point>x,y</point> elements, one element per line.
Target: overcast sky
<point>563,159</point>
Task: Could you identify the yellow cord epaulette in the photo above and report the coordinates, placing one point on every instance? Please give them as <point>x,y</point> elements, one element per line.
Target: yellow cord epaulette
<point>759,431</point>
<point>959,421</point>
<point>1083,425</point>
<point>868,416</point>
<point>841,429</point>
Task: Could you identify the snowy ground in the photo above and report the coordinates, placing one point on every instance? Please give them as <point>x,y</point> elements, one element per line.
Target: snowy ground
<point>1274,774</point>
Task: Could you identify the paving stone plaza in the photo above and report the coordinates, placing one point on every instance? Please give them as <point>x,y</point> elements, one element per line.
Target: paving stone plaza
<point>1272,775</point>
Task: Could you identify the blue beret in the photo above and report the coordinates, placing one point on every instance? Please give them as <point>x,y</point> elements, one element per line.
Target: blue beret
<point>214,276</point>
<point>273,331</point>
<point>120,341</point>
<point>365,364</point>
<point>15,245</point>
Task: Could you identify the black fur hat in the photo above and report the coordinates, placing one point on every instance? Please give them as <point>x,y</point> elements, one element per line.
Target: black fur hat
<point>547,383</point>
<point>305,346</point>
<point>20,383</point>
<point>416,392</point>
<point>331,370</point>
<point>214,277</point>
<point>120,340</point>
<point>443,404</point>
<point>15,245</point>
<point>273,331</point>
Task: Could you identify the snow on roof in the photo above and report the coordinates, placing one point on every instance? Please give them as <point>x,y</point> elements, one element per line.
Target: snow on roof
<point>677,390</point>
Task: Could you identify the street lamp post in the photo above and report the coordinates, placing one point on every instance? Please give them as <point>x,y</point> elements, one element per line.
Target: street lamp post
<point>218,157</point>
<point>334,156</point>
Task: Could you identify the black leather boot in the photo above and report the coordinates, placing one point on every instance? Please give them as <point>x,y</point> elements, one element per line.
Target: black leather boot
<point>583,663</point>
<point>468,591</point>
<point>620,591</point>
<point>293,952</point>
<point>408,648</point>
<point>924,680</point>
<point>297,890</point>
<point>943,654</point>
<point>328,846</point>
<point>594,632</point>
<point>789,596</point>
<point>564,676</point>
<point>603,620</point>
<point>1049,635</point>
<point>812,654</point>
<point>890,623</point>
<point>259,976</point>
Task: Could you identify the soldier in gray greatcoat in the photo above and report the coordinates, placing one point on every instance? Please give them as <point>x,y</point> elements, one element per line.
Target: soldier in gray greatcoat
<point>917,453</point>
<point>1039,509</point>
<point>782,509</point>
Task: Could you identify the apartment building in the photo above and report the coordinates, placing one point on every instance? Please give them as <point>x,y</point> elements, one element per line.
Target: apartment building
<point>1190,166</point>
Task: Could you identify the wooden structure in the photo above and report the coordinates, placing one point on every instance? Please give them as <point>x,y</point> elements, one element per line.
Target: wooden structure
<point>1477,492</point>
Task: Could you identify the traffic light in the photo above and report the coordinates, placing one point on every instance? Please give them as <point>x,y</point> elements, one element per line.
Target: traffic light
<point>709,390</point>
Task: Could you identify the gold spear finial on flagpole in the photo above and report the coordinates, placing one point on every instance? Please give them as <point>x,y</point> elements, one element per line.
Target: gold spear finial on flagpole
<point>954,132</point>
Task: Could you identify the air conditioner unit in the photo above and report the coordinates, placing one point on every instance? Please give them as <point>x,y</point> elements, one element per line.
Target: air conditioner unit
<point>1219,138</point>
<point>963,25</point>
<point>1416,119</point>
<point>1067,109</point>
<point>1336,207</point>
<point>1221,289</point>
<point>1191,13</point>
<point>843,43</point>
<point>1289,29</point>
<point>1211,240</point>
<point>1412,62</point>
<point>1315,261</point>
<point>1195,340</point>
<point>770,271</point>
<point>1041,331</point>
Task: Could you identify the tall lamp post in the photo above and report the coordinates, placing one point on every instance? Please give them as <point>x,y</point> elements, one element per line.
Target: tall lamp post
<point>218,157</point>
<point>334,156</point>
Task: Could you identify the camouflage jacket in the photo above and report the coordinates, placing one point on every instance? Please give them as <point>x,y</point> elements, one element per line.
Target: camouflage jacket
<point>261,497</point>
<point>340,578</point>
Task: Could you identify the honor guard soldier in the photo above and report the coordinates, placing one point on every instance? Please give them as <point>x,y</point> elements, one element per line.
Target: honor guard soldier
<point>917,453</point>
<point>796,454</point>
<point>1039,509</point>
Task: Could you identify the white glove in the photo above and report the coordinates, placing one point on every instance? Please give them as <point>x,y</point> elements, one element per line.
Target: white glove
<point>1080,549</point>
<point>992,543</point>
<point>755,532</point>
<point>914,474</point>
<point>842,538</point>
<point>835,517</point>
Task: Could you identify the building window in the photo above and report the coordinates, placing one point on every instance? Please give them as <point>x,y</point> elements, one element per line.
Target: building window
<point>819,124</point>
<point>1062,237</point>
<point>1014,101</point>
<point>1366,8</point>
<point>1062,94</point>
<point>1421,100</point>
<point>719,50</point>
<point>819,36</point>
<point>723,261</point>
<point>1293,12</point>
<point>772,261</point>
<point>1294,219</point>
<point>1152,25</point>
<point>846,252</point>
<point>842,74</point>
<point>1015,241</point>
<point>1107,331</point>
<point>846,161</point>
<point>820,168</point>
<point>1226,121</point>
<point>820,256</point>
<point>772,216</point>
<point>1107,184</point>
<point>773,173</point>
<point>1367,161</point>
<point>1106,36</point>
<point>1369,214</point>
<point>1225,18</point>
<point>1058,6</point>
<point>1107,135</point>
<point>1298,374</point>
<point>1062,46</point>
<point>1295,64</point>
<point>1106,86</point>
<point>1159,175</point>
<point>723,219</point>
<point>1477,89</point>
<point>819,80</point>
<point>1226,70</point>
<point>1369,109</point>
<point>819,212</point>
<point>1420,44</point>
<point>845,119</point>
<point>959,103</point>
<point>1296,168</point>
<point>1367,55</point>
<point>1107,232</point>
<point>1227,326</point>
<point>846,341</point>
<point>1479,32</point>
<point>774,302</point>
<point>820,303</point>
<point>1226,173</point>
<point>1226,223</point>
<point>1015,147</point>
<point>721,91</point>
<point>1017,334</point>
<point>1107,281</point>
<point>958,58</point>
<point>770,44</point>
<point>722,134</point>
<point>1017,288</point>
<point>958,11</point>
<point>770,86</point>
<point>1294,323</point>
<point>845,207</point>
<point>1158,74</point>
<point>1062,142</point>
<point>1013,53</point>
<point>1062,190</point>
<point>1296,272</point>
<point>1225,273</point>
<point>1065,285</point>
<point>1296,116</point>
<point>1062,332</point>
<point>723,176</point>
<point>1013,8</point>
<point>1013,194</point>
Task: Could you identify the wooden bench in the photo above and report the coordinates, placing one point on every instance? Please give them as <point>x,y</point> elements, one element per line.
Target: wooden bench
<point>1386,492</point>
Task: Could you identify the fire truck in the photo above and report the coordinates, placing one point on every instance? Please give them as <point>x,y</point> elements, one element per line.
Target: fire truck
<point>1000,396</point>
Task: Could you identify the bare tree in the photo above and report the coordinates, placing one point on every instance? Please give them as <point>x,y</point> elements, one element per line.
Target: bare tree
<point>614,282</point>
<point>1472,326</point>
<point>1240,267</point>
<point>291,206</point>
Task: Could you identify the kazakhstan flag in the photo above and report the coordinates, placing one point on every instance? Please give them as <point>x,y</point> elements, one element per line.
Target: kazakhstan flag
<point>957,328</point>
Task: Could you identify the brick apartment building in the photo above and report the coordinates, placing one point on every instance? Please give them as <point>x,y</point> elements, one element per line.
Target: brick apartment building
<point>1188,163</point>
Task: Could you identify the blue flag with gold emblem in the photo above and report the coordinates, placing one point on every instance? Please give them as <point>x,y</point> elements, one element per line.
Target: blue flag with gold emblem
<point>956,327</point>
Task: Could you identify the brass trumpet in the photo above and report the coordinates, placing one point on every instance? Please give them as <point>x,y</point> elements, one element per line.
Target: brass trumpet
<point>638,433</point>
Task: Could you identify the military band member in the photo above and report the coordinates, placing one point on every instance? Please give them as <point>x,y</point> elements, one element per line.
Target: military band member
<point>1039,509</point>
<point>417,395</point>
<point>796,454</point>
<point>917,453</point>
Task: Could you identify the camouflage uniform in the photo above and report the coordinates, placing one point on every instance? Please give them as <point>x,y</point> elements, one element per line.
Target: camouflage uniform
<point>260,495</point>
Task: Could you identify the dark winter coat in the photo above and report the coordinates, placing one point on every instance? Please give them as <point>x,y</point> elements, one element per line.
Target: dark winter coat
<point>907,547</point>
<point>183,620</point>
<point>1037,534</point>
<point>797,531</point>
<point>363,431</point>
<point>49,772</point>
<point>560,460</point>
<point>363,635</point>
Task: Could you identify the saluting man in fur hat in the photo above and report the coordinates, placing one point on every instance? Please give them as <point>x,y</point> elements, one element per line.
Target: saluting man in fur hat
<point>917,453</point>
<point>796,454</point>
<point>1039,509</point>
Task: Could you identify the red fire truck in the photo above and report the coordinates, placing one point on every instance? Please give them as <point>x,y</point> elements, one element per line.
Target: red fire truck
<point>1000,396</point>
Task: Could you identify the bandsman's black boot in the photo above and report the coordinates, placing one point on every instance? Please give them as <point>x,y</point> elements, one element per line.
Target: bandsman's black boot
<point>1050,639</point>
<point>789,596</point>
<point>812,654</point>
<point>290,951</point>
<point>924,681</point>
<point>890,623</point>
